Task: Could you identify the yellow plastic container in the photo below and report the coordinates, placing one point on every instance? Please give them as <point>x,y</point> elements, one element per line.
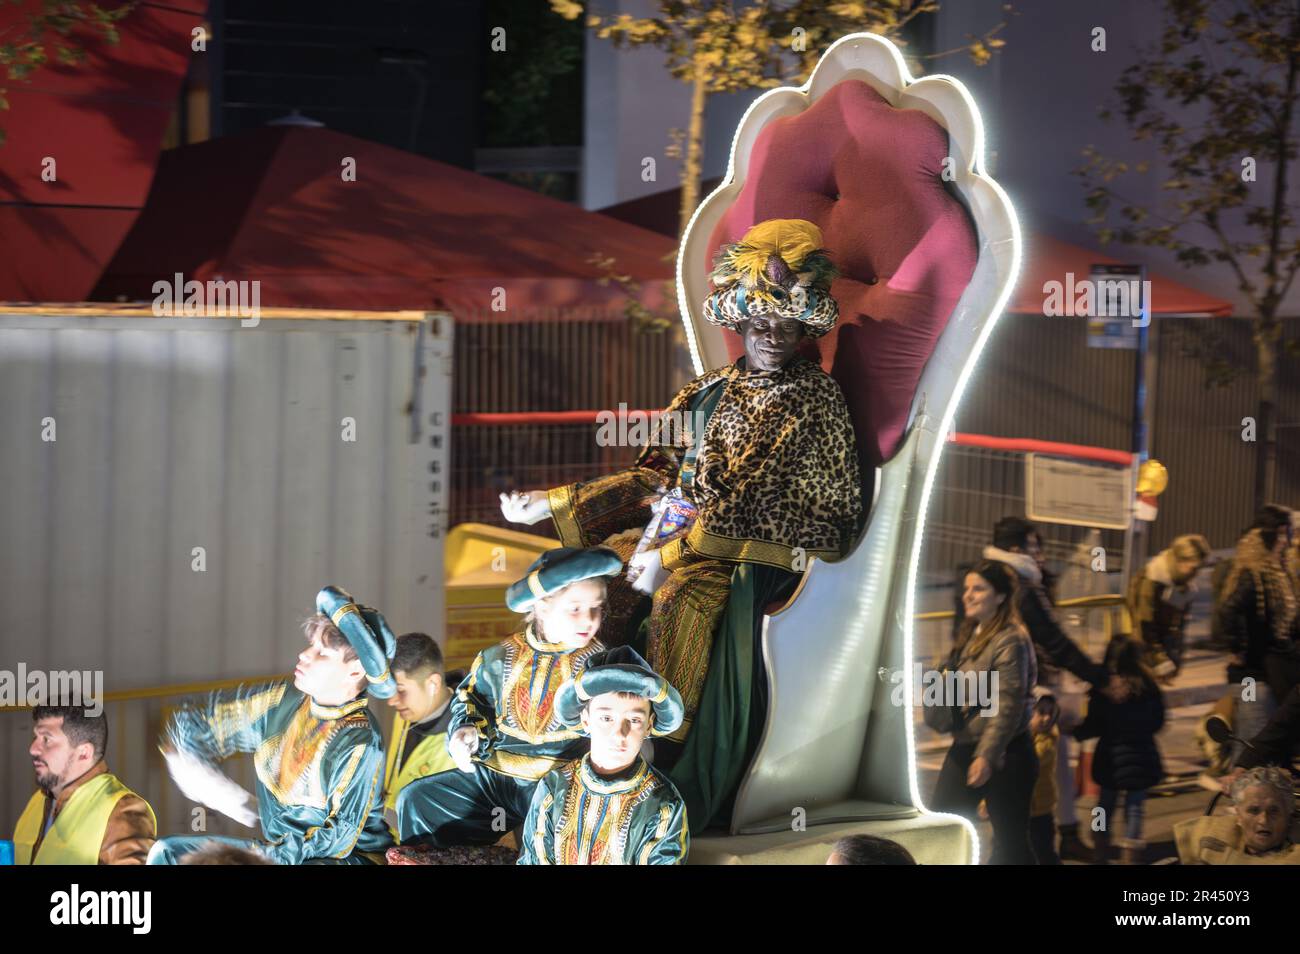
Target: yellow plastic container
<point>482,561</point>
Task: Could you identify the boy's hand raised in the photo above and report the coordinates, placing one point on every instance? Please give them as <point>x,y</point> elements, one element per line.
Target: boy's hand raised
<point>462,745</point>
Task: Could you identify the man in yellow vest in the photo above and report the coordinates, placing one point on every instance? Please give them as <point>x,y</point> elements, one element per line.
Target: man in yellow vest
<point>81,814</point>
<point>417,746</point>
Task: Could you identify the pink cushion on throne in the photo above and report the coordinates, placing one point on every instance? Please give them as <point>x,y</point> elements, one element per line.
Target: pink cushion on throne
<point>870,176</point>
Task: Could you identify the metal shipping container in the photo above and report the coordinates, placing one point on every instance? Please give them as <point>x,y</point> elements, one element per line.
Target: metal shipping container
<point>176,490</point>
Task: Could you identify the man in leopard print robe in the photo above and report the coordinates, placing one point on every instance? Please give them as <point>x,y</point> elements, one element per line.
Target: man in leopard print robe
<point>775,480</point>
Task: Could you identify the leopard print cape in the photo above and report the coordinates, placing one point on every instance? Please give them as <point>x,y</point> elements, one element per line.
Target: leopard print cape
<point>776,477</point>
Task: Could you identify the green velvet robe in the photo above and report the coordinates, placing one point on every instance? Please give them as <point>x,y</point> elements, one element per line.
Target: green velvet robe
<point>509,696</point>
<point>319,771</point>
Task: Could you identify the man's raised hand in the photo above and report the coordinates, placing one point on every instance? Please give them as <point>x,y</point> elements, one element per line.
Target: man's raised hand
<point>650,571</point>
<point>524,506</point>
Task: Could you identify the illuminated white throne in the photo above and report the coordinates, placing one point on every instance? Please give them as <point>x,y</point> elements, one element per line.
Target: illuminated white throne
<point>892,169</point>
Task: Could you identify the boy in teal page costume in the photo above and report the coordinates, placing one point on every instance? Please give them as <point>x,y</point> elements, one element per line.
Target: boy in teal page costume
<point>505,732</point>
<point>611,807</point>
<point>316,746</point>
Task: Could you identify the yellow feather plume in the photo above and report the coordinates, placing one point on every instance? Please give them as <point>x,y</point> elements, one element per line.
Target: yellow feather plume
<point>792,239</point>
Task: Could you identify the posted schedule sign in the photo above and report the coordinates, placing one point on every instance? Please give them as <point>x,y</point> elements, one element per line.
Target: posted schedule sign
<point>1078,493</point>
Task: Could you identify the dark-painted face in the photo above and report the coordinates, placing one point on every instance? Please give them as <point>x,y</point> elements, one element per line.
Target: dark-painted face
<point>770,341</point>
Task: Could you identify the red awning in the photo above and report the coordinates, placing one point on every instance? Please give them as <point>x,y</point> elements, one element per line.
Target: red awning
<point>102,123</point>
<point>1048,259</point>
<point>273,205</point>
<point>659,211</point>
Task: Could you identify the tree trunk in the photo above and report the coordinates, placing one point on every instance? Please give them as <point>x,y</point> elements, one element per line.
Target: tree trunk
<point>693,154</point>
<point>1268,330</point>
<point>1267,334</point>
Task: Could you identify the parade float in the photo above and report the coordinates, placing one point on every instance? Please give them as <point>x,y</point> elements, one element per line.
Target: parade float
<point>891,169</point>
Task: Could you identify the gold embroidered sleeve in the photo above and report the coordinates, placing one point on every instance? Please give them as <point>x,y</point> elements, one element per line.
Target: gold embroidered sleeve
<point>229,721</point>
<point>475,701</point>
<point>589,512</point>
<point>668,841</point>
<point>539,831</point>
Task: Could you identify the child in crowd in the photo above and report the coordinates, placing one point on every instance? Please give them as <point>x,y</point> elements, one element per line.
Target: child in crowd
<point>1042,807</point>
<point>1127,758</point>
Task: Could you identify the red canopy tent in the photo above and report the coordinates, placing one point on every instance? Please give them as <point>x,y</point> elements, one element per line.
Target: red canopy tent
<point>273,205</point>
<point>1048,259</point>
<point>102,122</point>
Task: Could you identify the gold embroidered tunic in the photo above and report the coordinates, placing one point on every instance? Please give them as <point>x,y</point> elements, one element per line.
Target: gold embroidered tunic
<point>579,817</point>
<point>509,696</point>
<point>318,768</point>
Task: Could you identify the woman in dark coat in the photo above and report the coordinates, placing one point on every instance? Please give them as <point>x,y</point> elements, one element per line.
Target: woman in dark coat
<point>992,756</point>
<point>1127,758</point>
